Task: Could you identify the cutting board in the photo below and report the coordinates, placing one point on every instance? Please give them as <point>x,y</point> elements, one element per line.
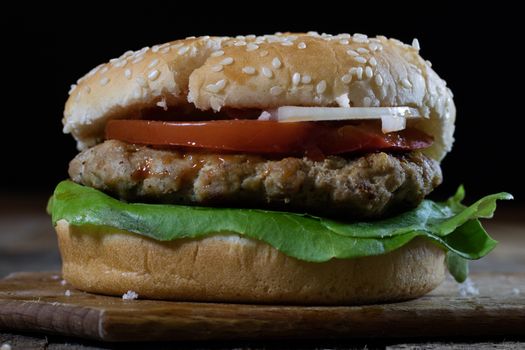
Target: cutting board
<point>38,302</point>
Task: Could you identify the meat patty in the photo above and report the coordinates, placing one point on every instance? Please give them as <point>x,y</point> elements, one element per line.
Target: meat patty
<point>369,186</point>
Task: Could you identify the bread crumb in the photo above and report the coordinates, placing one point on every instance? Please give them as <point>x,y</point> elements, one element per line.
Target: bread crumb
<point>265,116</point>
<point>67,293</point>
<point>63,282</point>
<point>130,295</point>
<point>162,103</point>
<point>468,289</point>
<point>55,277</point>
<point>5,346</point>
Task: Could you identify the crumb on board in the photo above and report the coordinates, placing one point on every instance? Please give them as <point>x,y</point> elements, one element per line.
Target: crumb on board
<point>468,289</point>
<point>63,282</point>
<point>130,295</point>
<point>67,293</point>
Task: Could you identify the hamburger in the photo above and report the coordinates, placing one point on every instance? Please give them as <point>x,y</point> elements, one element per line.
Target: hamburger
<point>286,168</point>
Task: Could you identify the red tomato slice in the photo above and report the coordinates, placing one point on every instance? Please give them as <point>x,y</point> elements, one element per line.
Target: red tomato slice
<point>267,137</point>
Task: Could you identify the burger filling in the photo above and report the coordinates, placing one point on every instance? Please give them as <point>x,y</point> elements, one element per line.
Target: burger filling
<point>316,184</point>
<point>368,186</point>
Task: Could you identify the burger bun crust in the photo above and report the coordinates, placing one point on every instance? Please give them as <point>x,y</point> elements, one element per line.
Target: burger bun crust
<point>212,73</point>
<point>229,268</point>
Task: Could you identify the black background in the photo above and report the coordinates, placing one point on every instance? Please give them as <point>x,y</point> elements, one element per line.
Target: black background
<point>476,49</point>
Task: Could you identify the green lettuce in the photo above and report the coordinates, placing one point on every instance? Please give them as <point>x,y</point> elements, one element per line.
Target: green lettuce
<point>449,224</point>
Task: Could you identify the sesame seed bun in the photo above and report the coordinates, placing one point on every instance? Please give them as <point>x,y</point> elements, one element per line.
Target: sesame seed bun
<point>265,72</point>
<point>234,269</point>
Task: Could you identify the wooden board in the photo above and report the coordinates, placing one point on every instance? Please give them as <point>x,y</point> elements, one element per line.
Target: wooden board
<point>37,302</point>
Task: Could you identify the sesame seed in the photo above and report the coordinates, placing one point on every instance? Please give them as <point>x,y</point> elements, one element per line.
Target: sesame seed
<point>344,36</point>
<point>218,86</point>
<point>120,63</point>
<point>72,88</point>
<point>372,61</point>
<point>183,50</point>
<point>296,78</point>
<point>373,46</point>
<point>227,61</point>
<point>126,54</point>
<point>306,79</point>
<point>415,44</point>
<point>351,52</point>
<point>362,50</point>
<point>312,33</point>
<point>368,72</point>
<point>155,48</point>
<point>276,63</point>
<point>127,73</point>
<point>240,43</point>
<point>347,78</point>
<point>104,81</point>
<point>217,68</point>
<point>104,70</point>
<point>379,80</point>
<point>153,63</point>
<point>360,38</point>
<point>367,101</point>
<point>251,36</point>
<point>267,72</point>
<point>251,47</point>
<point>248,70</point>
<point>320,87</point>
<point>142,51</point>
<point>240,37</point>
<point>301,45</point>
<point>217,53</point>
<point>263,53</point>
<point>165,50</point>
<point>176,46</point>
<point>190,37</point>
<point>428,63</point>
<point>286,43</point>
<point>406,83</point>
<point>343,42</point>
<point>137,59</point>
<point>276,90</point>
<point>360,59</point>
<point>154,74</point>
<point>359,73</point>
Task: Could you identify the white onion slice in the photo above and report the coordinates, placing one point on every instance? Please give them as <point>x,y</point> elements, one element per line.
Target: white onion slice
<point>392,118</point>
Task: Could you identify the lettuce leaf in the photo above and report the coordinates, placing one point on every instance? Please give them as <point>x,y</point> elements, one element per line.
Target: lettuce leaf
<point>450,224</point>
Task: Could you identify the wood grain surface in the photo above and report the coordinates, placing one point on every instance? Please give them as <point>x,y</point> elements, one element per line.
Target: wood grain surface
<point>38,302</point>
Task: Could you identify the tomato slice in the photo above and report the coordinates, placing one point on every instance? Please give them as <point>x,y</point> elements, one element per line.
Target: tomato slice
<point>267,137</point>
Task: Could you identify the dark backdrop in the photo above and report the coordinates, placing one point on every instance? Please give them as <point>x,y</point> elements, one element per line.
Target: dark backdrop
<point>477,50</point>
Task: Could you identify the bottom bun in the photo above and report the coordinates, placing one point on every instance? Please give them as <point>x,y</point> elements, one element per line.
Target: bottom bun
<point>230,268</point>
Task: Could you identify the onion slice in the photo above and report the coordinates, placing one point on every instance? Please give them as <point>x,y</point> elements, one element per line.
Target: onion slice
<point>392,118</point>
